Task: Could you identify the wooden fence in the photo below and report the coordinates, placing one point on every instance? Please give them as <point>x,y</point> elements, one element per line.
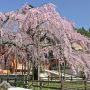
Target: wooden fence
<point>52,83</point>
<point>16,80</point>
<point>65,84</point>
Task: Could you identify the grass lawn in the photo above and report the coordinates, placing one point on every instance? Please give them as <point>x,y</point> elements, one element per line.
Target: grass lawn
<point>72,85</point>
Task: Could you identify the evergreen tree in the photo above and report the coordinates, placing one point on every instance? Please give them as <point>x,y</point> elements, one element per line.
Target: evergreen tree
<point>83,31</point>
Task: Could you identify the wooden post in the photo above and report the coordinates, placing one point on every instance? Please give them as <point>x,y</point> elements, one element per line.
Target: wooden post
<point>59,71</point>
<point>61,78</point>
<point>60,75</point>
<point>64,69</point>
<point>85,84</point>
<point>39,75</point>
<point>33,75</point>
<point>27,69</point>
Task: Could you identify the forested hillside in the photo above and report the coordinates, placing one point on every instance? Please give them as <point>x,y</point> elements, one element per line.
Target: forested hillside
<point>84,31</point>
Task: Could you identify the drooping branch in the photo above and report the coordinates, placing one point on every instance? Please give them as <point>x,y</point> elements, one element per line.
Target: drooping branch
<point>20,30</point>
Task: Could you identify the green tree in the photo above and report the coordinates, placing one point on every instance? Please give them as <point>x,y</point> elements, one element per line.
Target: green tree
<point>83,31</point>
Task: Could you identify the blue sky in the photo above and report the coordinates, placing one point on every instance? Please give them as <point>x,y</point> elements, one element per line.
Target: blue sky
<point>77,11</point>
